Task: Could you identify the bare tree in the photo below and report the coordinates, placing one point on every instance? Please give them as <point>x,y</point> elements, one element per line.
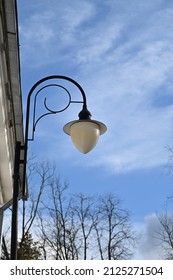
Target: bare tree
<point>114,234</point>
<point>82,228</point>
<point>39,175</point>
<point>5,251</point>
<point>58,233</point>
<point>165,235</point>
<point>71,227</point>
<point>42,172</point>
<point>83,213</point>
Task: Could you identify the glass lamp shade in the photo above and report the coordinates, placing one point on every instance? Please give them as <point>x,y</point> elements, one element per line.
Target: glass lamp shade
<point>84,134</point>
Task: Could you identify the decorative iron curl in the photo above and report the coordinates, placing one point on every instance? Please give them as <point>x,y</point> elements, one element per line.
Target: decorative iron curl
<point>50,111</point>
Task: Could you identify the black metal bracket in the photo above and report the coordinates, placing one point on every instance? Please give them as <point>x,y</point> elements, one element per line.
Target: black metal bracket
<point>14,225</point>
<point>84,114</point>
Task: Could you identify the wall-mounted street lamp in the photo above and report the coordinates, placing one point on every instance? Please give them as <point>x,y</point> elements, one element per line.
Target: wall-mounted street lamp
<point>84,133</point>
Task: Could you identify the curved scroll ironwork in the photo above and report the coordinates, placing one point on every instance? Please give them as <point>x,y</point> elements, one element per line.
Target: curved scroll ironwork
<point>49,111</point>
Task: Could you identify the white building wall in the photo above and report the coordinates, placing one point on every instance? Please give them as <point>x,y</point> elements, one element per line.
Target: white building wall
<point>11,122</point>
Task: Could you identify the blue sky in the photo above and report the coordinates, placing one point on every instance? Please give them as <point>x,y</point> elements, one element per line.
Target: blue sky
<point>121,53</point>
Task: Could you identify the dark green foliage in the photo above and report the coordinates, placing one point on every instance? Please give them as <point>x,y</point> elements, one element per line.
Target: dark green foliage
<point>28,249</point>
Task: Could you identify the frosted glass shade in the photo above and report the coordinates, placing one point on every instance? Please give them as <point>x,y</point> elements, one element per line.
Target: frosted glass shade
<point>85,133</point>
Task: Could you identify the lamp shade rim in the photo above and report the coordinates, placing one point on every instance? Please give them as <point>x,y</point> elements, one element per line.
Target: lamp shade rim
<point>102,126</point>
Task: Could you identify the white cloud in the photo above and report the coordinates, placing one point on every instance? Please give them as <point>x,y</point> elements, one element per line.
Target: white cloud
<point>149,247</point>
<point>47,34</point>
<point>73,15</point>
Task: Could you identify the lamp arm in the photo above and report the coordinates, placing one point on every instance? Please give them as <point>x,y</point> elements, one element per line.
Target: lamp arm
<point>84,114</point>
<point>84,101</point>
